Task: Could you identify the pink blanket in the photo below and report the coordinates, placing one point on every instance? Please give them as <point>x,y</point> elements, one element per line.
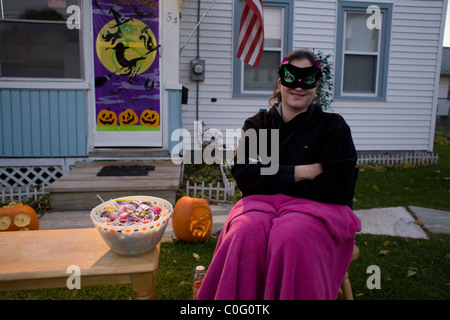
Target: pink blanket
<point>280,247</point>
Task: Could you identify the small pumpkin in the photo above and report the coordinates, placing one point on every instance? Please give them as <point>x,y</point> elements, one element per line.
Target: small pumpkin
<point>18,217</point>
<point>128,117</point>
<point>192,219</point>
<point>149,118</point>
<point>107,118</point>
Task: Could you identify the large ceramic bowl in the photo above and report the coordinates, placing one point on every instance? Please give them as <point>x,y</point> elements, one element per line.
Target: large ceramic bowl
<point>137,238</point>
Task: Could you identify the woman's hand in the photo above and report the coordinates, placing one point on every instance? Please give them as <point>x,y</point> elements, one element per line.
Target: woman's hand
<point>307,171</point>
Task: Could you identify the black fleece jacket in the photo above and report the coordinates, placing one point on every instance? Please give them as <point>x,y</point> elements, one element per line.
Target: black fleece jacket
<point>311,137</point>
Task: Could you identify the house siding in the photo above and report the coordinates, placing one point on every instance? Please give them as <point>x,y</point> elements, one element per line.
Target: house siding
<point>42,123</point>
<point>404,121</point>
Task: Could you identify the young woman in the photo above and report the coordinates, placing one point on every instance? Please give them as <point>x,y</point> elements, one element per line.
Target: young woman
<point>291,235</point>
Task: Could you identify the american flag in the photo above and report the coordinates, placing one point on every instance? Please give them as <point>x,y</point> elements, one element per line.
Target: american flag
<point>251,33</point>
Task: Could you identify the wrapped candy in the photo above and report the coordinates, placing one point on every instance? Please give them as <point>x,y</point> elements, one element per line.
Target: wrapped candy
<point>130,212</point>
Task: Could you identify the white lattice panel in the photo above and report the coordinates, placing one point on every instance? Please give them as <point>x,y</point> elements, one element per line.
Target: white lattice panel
<point>13,177</point>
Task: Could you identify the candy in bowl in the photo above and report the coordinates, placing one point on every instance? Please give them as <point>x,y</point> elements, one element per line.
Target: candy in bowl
<point>132,225</point>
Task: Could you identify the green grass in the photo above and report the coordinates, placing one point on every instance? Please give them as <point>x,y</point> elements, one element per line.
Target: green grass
<point>410,269</point>
<point>422,186</point>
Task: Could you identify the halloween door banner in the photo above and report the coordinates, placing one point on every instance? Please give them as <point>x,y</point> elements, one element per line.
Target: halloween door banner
<point>126,65</point>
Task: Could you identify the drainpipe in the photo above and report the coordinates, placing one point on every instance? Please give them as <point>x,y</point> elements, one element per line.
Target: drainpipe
<point>198,57</point>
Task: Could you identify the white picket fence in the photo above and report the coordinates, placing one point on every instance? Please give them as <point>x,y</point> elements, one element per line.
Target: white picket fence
<point>19,194</point>
<point>210,192</point>
<point>412,159</point>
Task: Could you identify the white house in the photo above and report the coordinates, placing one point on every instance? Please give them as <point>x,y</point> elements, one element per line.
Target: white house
<point>386,58</point>
<point>386,79</point>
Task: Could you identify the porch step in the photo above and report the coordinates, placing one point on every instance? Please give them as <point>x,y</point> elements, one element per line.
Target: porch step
<point>129,153</point>
<point>78,189</point>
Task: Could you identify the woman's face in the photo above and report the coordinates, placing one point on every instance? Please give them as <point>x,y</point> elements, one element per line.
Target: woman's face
<point>297,99</point>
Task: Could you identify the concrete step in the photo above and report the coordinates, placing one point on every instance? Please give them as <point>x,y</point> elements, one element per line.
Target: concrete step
<point>81,188</point>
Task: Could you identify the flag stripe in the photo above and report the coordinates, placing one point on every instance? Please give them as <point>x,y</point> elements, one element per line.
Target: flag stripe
<point>251,33</point>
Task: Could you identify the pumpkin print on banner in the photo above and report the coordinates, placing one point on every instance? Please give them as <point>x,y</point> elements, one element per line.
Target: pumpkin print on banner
<point>126,65</point>
<point>128,117</point>
<point>149,118</point>
<point>107,118</point>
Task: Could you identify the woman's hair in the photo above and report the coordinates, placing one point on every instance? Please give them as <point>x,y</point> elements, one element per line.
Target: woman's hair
<point>275,99</point>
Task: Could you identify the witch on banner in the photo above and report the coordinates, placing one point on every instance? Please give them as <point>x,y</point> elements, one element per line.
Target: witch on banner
<point>126,66</point>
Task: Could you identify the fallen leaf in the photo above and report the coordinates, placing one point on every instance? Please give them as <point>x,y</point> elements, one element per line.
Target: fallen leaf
<point>410,273</point>
<point>375,187</point>
<point>196,256</point>
<point>383,252</point>
<point>386,243</point>
<point>418,222</point>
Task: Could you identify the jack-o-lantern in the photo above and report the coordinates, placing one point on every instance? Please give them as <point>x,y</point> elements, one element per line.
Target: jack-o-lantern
<point>107,118</point>
<point>192,219</point>
<point>150,118</point>
<point>128,117</point>
<point>18,217</point>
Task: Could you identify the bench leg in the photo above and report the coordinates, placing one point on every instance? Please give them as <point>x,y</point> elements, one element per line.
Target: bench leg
<point>144,285</point>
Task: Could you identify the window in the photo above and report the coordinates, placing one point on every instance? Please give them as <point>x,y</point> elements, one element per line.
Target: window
<point>448,92</point>
<point>258,82</point>
<point>362,50</point>
<point>36,42</point>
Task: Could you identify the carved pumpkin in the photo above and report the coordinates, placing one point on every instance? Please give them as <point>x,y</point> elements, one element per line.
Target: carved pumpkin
<point>192,219</point>
<point>18,216</point>
<point>107,118</point>
<point>128,117</point>
<point>149,118</point>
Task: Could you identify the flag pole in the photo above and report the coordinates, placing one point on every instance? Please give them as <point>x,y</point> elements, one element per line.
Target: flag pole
<point>200,21</point>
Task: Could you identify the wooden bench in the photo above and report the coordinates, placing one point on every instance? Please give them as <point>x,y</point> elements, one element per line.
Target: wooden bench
<point>39,259</point>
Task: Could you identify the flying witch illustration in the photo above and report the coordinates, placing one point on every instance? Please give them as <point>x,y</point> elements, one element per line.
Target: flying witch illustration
<point>131,43</point>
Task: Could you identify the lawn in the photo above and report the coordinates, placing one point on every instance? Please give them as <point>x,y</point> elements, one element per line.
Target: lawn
<point>410,269</point>
<point>421,186</point>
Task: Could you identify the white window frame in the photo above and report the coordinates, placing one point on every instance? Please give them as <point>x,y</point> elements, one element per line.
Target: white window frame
<point>266,49</point>
<point>361,53</point>
<point>287,44</point>
<point>86,62</point>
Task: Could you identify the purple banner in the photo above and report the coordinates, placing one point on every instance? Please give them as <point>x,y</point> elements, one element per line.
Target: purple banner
<point>126,65</point>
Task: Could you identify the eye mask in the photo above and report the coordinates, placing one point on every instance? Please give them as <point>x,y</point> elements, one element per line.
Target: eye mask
<point>295,77</point>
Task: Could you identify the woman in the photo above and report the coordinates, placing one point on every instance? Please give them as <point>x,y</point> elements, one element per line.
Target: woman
<point>291,236</point>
